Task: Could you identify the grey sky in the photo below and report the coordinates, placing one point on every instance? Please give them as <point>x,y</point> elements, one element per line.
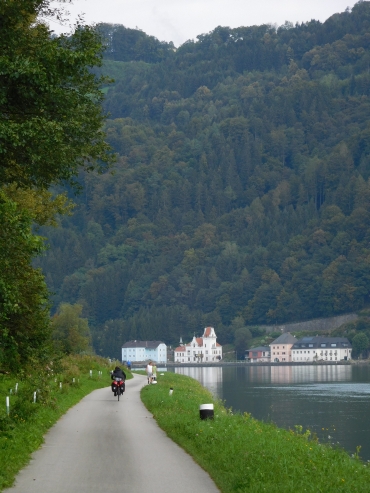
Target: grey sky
<point>180,20</point>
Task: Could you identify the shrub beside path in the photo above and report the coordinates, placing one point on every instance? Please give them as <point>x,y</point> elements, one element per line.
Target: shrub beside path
<point>105,445</point>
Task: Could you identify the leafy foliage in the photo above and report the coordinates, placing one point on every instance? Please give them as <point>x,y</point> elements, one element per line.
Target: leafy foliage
<point>360,343</point>
<point>71,333</point>
<point>24,324</point>
<point>50,109</point>
<point>50,127</point>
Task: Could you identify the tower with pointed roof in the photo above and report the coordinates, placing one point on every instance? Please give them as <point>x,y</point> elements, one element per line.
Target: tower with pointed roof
<point>203,349</point>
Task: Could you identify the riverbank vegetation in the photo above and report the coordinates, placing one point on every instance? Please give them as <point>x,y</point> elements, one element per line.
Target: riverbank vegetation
<point>243,455</point>
<point>57,388</point>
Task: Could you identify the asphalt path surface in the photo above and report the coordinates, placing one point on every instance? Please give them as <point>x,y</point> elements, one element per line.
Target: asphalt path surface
<point>102,445</point>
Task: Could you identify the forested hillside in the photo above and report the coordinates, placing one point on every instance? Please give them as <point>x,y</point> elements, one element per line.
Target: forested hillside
<point>241,193</point>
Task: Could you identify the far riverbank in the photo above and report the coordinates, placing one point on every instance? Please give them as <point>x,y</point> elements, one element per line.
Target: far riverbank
<point>140,365</point>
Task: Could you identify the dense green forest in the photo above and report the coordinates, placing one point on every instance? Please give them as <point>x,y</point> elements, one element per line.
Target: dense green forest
<point>241,192</point>
<point>51,120</point>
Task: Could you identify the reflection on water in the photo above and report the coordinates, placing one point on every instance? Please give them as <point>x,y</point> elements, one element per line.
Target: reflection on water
<point>211,378</point>
<point>332,401</point>
<point>304,374</point>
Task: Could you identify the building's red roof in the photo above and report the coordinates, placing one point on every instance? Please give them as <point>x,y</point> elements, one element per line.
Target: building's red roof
<point>207,331</point>
<point>199,341</point>
<point>180,348</point>
<point>217,344</point>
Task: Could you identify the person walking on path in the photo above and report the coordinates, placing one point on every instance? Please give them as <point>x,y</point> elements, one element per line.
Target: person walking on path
<point>149,372</point>
<point>154,377</point>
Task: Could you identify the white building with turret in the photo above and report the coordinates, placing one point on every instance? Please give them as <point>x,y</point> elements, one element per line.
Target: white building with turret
<point>204,349</point>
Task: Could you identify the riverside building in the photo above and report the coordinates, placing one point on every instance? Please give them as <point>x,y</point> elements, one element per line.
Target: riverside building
<point>144,350</point>
<point>280,348</point>
<point>310,349</point>
<point>200,350</point>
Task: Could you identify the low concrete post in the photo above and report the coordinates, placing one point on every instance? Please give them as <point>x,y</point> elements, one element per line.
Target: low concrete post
<point>206,411</point>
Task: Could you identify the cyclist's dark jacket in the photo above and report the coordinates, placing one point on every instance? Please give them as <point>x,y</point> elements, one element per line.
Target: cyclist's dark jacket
<point>119,373</point>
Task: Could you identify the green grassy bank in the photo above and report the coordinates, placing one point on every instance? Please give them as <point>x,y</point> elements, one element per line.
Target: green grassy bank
<point>22,431</point>
<point>242,454</point>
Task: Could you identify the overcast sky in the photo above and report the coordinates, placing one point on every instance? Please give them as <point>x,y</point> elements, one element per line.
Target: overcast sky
<point>180,20</point>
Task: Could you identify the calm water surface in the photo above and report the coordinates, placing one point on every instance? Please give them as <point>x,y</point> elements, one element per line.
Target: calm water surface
<point>332,401</point>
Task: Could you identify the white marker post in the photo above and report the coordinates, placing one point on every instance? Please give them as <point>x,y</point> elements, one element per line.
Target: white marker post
<point>73,380</point>
<point>16,388</point>
<point>60,385</point>
<point>90,373</point>
<point>34,397</point>
<point>7,406</point>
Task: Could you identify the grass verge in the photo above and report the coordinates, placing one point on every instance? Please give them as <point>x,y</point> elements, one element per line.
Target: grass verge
<point>242,454</point>
<point>22,431</point>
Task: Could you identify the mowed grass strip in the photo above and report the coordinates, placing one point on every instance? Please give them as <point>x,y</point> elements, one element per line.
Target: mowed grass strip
<point>242,454</point>
<point>22,432</point>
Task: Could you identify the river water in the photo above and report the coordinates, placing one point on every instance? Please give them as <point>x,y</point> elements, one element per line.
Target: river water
<point>331,401</point>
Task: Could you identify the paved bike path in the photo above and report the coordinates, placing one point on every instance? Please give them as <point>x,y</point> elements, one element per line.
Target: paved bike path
<point>102,445</point>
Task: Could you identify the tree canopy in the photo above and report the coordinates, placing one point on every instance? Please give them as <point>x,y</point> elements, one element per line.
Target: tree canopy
<point>50,128</point>
<point>50,100</point>
<point>71,333</point>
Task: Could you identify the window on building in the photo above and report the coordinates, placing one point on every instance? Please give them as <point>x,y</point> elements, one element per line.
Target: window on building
<point>333,345</point>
